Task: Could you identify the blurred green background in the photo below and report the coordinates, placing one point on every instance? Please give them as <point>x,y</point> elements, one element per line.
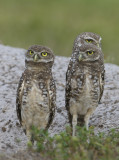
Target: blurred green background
<point>56,23</point>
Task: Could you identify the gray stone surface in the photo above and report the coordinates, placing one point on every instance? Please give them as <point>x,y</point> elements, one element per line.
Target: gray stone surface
<point>12,137</point>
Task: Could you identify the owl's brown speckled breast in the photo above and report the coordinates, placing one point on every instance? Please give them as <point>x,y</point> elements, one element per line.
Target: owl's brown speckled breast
<point>85,89</point>
<point>35,110</point>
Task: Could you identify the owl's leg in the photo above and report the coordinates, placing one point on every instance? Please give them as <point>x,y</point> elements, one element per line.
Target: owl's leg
<point>30,136</point>
<point>74,124</point>
<point>87,117</point>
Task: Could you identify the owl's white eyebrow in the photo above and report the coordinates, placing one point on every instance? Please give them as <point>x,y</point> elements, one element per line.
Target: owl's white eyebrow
<point>43,51</point>
<point>90,38</point>
<point>90,50</point>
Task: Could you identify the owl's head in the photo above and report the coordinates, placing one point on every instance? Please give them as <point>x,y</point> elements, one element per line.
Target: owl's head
<point>88,53</point>
<point>37,54</point>
<point>88,38</point>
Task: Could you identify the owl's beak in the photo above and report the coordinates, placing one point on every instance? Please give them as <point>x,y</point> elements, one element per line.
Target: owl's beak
<point>80,57</point>
<point>35,58</point>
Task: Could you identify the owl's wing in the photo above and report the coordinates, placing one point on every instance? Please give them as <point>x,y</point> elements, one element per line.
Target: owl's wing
<point>102,77</point>
<point>68,89</point>
<point>19,97</point>
<point>52,99</point>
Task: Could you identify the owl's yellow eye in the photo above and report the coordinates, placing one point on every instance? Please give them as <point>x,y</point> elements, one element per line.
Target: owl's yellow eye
<point>90,52</point>
<point>89,40</point>
<point>30,52</point>
<point>44,54</point>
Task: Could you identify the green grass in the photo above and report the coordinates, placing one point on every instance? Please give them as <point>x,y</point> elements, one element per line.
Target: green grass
<point>57,23</point>
<point>85,146</point>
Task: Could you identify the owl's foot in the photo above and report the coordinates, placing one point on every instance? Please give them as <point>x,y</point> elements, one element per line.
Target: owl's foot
<point>74,124</point>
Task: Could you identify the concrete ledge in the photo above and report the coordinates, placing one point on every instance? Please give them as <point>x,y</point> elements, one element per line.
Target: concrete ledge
<point>12,137</point>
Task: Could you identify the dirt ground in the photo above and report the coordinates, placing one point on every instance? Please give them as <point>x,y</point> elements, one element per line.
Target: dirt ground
<point>12,137</point>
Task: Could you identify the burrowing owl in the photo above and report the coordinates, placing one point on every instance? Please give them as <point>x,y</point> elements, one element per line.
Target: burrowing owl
<point>87,38</point>
<point>36,93</point>
<point>84,83</point>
